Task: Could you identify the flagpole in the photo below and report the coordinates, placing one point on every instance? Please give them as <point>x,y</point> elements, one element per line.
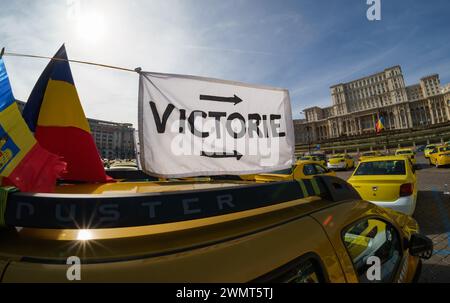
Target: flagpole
<point>4,53</point>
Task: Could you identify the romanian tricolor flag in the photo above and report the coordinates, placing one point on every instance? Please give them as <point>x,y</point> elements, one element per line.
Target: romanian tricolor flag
<point>23,162</point>
<point>379,126</point>
<point>55,115</point>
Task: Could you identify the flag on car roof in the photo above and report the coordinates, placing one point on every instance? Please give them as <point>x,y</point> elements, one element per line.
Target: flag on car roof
<point>23,162</point>
<point>55,115</point>
<point>379,126</point>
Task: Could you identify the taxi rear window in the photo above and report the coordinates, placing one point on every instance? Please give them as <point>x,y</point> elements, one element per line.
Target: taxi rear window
<point>389,167</point>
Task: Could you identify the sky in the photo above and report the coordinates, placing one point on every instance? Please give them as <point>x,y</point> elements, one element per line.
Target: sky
<point>302,45</point>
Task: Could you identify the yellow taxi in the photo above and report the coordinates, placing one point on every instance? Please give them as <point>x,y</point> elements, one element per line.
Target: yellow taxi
<point>407,152</point>
<point>428,149</point>
<point>313,158</point>
<point>177,231</point>
<point>440,156</point>
<point>369,154</point>
<point>303,169</point>
<point>388,181</point>
<point>340,161</point>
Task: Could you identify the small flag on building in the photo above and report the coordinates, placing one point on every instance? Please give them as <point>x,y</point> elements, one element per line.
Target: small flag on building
<point>379,126</point>
<point>54,113</point>
<point>23,162</point>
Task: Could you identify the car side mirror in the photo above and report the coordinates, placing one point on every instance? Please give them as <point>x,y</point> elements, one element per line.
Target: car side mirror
<point>420,246</point>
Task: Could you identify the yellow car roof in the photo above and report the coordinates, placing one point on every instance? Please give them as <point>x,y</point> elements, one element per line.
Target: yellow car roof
<point>383,158</point>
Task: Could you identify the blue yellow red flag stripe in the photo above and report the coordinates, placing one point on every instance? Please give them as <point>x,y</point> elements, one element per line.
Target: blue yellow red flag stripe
<point>23,162</point>
<point>54,113</point>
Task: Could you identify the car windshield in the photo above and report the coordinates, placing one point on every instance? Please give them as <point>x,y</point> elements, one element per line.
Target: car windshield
<point>404,152</point>
<point>337,156</point>
<point>390,167</point>
<point>305,158</point>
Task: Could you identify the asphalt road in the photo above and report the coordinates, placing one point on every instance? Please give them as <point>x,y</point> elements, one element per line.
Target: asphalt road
<point>433,214</point>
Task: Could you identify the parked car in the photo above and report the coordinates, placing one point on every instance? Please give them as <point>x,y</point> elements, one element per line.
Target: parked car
<point>341,161</point>
<point>407,152</point>
<point>388,181</point>
<point>369,154</point>
<point>440,156</point>
<point>266,232</point>
<point>428,149</point>
<point>322,157</point>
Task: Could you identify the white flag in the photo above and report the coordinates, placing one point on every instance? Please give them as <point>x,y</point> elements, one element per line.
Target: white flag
<point>194,126</point>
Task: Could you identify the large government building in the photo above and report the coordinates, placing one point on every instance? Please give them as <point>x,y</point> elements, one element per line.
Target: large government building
<point>356,106</point>
<point>113,140</point>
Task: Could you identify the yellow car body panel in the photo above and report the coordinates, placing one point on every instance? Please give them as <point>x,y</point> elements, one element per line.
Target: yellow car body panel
<point>407,152</point>
<point>405,223</point>
<point>440,156</point>
<point>240,247</point>
<point>428,149</point>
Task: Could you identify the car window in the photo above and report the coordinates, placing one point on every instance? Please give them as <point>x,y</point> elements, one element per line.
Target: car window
<point>320,170</point>
<point>305,269</point>
<point>445,148</point>
<point>309,169</point>
<point>390,167</point>
<point>373,237</point>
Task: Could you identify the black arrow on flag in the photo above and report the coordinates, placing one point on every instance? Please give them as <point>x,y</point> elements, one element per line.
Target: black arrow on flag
<point>235,154</point>
<point>235,99</point>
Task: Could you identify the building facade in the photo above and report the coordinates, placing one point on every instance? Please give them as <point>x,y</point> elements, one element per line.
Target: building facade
<point>356,106</point>
<point>113,140</point>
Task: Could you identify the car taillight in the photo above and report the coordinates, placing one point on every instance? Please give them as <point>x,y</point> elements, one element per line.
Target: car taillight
<point>406,189</point>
